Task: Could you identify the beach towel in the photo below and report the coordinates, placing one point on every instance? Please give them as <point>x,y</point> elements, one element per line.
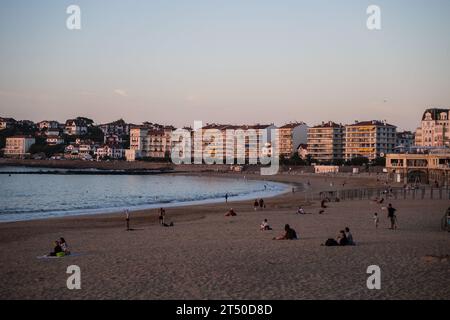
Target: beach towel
<point>45,257</point>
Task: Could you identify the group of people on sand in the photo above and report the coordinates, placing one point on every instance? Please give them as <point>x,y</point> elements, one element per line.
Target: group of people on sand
<point>60,249</point>
<point>259,204</point>
<point>391,215</point>
<point>161,218</point>
<point>344,238</point>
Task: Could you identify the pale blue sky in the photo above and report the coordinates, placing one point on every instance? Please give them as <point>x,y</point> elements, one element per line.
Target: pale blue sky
<point>239,61</point>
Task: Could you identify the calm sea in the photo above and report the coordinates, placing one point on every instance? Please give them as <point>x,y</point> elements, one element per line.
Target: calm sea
<point>31,196</point>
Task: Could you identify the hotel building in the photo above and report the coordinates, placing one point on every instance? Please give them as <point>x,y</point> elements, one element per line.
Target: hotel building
<point>435,129</point>
<point>369,139</point>
<point>18,146</point>
<point>150,141</point>
<point>326,142</point>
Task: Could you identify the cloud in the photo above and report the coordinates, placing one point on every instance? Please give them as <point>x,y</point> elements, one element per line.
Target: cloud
<point>121,92</point>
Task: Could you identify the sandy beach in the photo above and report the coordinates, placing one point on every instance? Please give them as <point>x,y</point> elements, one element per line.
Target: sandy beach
<point>210,256</point>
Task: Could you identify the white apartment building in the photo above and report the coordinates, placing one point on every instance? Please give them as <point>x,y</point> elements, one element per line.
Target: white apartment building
<point>54,140</point>
<point>18,146</point>
<point>6,123</point>
<point>110,152</point>
<point>153,141</point>
<point>290,137</point>
<point>326,142</point>
<point>75,127</point>
<point>46,124</point>
<point>435,129</point>
<point>246,142</point>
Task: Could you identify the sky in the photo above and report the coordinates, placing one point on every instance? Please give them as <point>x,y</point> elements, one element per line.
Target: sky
<point>227,61</point>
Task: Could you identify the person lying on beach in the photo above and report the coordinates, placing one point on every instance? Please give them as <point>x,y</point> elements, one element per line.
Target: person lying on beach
<point>265,226</point>
<point>231,213</point>
<point>168,225</point>
<point>289,234</point>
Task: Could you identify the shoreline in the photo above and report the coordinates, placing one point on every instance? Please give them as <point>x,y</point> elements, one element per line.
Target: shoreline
<point>288,180</point>
<point>173,204</point>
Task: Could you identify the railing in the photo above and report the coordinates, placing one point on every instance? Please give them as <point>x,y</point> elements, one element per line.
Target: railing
<point>381,194</point>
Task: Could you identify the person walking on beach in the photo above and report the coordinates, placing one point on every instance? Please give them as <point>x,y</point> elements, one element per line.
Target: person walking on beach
<point>392,216</point>
<point>255,205</point>
<point>127,219</point>
<point>261,204</point>
<point>226,198</point>
<point>162,215</point>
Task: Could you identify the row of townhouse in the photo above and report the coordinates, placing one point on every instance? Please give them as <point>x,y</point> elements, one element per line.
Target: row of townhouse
<point>327,142</point>
<point>87,150</point>
<point>247,142</point>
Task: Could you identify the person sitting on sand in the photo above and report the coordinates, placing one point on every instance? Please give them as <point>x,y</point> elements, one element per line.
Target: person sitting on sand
<point>255,205</point>
<point>64,246</point>
<point>322,203</point>
<point>231,213</point>
<point>342,238</point>
<point>289,234</point>
<point>265,226</point>
<point>300,210</point>
<point>349,236</point>
<point>56,250</point>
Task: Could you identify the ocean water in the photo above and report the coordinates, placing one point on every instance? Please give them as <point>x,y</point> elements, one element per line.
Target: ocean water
<point>31,196</point>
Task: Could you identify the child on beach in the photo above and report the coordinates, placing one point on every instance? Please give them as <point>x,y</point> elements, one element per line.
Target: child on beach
<point>265,226</point>
<point>376,219</point>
